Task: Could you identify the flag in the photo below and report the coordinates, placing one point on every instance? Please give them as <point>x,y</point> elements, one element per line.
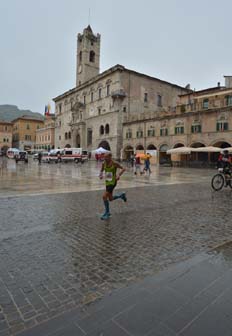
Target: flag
<point>46,110</point>
<point>49,109</point>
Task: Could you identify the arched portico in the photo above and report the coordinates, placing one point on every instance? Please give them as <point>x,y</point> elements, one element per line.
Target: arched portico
<point>151,147</point>
<point>104,144</point>
<point>76,138</point>
<point>197,144</point>
<point>221,144</point>
<point>152,150</point>
<point>128,152</point>
<point>139,147</point>
<point>164,158</point>
<point>198,157</point>
<point>178,145</point>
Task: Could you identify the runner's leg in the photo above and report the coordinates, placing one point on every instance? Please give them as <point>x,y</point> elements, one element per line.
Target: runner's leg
<point>106,203</point>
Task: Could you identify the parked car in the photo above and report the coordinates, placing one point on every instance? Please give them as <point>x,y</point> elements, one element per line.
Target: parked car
<point>21,156</point>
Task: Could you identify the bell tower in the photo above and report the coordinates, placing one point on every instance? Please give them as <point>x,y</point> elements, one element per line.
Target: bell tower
<point>88,55</point>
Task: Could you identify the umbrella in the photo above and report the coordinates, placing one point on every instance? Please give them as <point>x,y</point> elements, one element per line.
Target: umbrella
<point>101,150</point>
<point>209,149</point>
<point>180,150</point>
<point>141,155</point>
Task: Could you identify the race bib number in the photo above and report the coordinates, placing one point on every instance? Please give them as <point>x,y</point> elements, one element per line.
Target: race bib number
<point>109,176</point>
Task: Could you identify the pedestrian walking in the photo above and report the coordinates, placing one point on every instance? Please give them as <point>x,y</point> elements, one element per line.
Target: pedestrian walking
<point>39,158</point>
<point>137,165</point>
<point>132,161</point>
<point>147,164</point>
<point>111,178</point>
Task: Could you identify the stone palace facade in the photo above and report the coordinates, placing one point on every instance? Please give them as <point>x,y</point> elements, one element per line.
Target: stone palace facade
<point>92,113</point>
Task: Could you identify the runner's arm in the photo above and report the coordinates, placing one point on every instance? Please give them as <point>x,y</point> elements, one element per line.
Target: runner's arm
<point>122,170</point>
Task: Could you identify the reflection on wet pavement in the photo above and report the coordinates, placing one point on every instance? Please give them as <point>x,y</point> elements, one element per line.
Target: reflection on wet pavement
<point>51,178</point>
<point>224,253</point>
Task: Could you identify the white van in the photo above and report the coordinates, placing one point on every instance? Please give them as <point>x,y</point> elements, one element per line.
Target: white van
<point>74,154</point>
<point>12,152</point>
<point>53,156</point>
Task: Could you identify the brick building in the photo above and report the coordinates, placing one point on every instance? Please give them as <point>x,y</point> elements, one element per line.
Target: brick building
<point>24,132</point>
<point>6,129</point>
<point>45,135</point>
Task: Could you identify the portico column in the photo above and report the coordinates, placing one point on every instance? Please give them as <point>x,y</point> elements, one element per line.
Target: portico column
<point>74,136</point>
<point>158,156</point>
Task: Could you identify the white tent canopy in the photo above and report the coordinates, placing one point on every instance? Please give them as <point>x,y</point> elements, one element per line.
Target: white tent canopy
<point>209,149</point>
<point>229,149</point>
<point>189,150</point>
<point>101,150</point>
<point>180,150</point>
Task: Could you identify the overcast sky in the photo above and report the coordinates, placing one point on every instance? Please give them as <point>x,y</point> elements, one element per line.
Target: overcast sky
<point>179,41</point>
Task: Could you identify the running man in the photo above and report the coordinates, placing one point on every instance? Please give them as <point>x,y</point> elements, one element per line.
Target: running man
<point>110,168</point>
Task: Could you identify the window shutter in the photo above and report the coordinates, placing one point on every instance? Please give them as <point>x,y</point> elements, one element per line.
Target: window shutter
<point>217,126</point>
<point>226,126</point>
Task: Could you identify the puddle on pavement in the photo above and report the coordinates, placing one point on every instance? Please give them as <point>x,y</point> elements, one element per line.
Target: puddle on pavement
<point>225,252</point>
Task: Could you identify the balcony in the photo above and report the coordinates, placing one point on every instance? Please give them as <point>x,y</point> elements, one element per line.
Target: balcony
<point>118,94</point>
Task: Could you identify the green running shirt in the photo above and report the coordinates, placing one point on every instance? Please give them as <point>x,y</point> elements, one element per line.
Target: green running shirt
<point>110,174</point>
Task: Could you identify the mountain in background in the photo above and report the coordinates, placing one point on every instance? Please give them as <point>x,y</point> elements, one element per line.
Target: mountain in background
<point>11,112</point>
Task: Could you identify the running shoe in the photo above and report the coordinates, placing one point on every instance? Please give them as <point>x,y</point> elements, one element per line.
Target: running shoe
<point>105,216</point>
<point>124,198</point>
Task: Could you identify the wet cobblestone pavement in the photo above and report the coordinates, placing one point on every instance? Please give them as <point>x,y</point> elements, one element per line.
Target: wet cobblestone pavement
<point>56,253</point>
<point>34,179</point>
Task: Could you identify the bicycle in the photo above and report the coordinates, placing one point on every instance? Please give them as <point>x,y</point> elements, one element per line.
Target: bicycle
<point>222,179</point>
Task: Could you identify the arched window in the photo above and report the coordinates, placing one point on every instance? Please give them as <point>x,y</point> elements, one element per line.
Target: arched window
<point>80,56</point>
<point>92,56</point>
<point>69,135</point>
<point>101,129</point>
<point>107,129</point>
<point>66,136</point>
